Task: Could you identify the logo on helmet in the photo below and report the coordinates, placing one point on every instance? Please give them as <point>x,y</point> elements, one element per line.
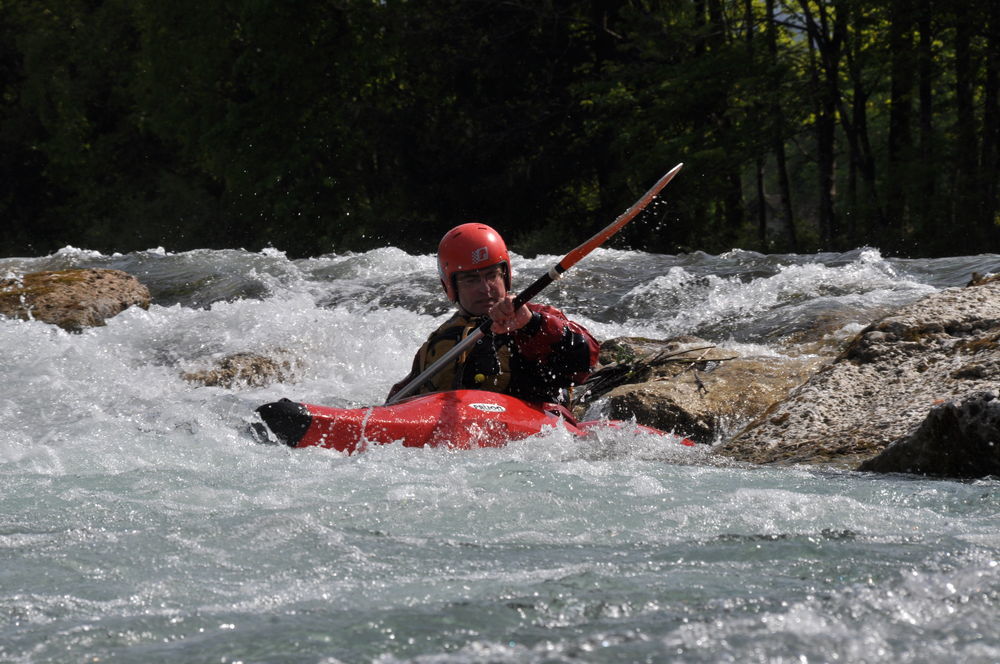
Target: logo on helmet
<point>479,255</point>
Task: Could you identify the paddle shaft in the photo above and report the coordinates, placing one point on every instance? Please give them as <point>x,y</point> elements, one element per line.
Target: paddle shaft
<point>525,296</point>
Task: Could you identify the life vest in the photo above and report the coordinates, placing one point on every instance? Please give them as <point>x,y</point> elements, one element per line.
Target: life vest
<point>485,366</point>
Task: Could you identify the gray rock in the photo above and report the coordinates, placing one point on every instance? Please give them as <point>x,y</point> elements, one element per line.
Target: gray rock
<point>957,439</point>
<point>689,386</point>
<point>941,348</point>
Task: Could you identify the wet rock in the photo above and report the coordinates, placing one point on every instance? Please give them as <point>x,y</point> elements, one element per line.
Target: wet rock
<point>708,404</point>
<point>692,387</point>
<point>980,279</point>
<point>71,299</point>
<point>956,439</point>
<point>941,348</point>
<point>243,370</point>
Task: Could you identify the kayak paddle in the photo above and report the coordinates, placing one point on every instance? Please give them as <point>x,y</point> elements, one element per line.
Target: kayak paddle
<point>554,273</point>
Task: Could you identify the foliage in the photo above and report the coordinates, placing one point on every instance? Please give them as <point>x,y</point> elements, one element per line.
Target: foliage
<point>804,125</point>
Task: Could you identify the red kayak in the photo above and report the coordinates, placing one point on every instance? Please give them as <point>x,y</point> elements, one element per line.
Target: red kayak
<point>459,419</point>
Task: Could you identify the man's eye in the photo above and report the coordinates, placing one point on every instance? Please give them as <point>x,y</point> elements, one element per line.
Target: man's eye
<point>470,279</point>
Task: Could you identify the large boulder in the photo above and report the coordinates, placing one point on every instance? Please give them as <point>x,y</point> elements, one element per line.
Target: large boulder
<point>689,386</point>
<point>941,348</point>
<point>957,439</point>
<point>71,299</point>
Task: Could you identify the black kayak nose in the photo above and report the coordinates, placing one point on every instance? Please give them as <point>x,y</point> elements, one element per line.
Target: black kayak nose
<point>285,420</point>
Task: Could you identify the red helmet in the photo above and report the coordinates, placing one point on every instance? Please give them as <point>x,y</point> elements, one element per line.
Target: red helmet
<point>470,247</point>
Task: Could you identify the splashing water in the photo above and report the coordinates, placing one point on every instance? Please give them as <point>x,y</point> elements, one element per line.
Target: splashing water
<point>140,523</point>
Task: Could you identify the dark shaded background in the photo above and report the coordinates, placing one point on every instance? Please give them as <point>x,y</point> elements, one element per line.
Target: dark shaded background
<point>344,125</point>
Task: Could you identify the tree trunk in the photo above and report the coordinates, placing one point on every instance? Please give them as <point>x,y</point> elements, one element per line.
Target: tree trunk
<point>966,158</point>
<point>778,134</point>
<point>925,74</point>
<point>733,213</point>
<point>605,162</point>
<point>868,218</point>
<point>990,159</point>
<point>901,59</point>
<point>762,240</point>
<point>825,54</point>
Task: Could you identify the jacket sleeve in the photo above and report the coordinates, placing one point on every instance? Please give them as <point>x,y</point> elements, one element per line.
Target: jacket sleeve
<point>563,351</point>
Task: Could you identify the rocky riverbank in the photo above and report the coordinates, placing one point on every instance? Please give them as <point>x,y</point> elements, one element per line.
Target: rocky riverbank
<point>914,392</point>
<point>895,380</point>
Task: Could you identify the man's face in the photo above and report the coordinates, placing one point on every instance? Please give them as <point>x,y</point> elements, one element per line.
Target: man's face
<point>478,290</point>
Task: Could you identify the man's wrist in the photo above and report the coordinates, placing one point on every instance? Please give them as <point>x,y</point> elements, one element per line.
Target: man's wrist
<point>533,325</point>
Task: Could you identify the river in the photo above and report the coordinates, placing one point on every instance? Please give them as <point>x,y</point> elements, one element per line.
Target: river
<point>139,522</point>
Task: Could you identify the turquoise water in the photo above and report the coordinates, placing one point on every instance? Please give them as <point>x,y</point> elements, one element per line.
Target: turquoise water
<point>140,523</point>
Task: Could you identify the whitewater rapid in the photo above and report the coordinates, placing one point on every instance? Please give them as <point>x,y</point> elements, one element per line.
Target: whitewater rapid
<point>139,522</point>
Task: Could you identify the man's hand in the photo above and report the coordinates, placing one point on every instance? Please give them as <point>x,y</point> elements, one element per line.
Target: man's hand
<point>505,319</point>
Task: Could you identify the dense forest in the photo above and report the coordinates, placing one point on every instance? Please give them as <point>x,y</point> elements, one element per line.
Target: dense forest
<point>336,125</point>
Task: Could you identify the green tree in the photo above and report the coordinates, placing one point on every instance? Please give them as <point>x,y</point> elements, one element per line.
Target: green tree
<point>331,126</point>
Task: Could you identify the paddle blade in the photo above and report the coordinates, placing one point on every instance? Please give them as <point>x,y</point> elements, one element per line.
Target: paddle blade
<point>574,256</point>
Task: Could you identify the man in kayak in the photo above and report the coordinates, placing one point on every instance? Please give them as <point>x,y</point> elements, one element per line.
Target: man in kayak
<point>533,352</point>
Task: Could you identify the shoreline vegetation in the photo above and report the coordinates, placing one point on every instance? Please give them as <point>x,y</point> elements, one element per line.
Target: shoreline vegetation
<point>804,126</point>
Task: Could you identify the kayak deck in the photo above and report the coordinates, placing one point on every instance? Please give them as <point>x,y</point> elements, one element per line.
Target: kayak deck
<point>460,419</point>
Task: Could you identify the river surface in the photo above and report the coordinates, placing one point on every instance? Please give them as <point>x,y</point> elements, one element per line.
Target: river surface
<point>139,522</point>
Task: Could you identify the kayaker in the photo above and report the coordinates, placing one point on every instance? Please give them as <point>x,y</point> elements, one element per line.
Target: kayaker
<point>533,353</point>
